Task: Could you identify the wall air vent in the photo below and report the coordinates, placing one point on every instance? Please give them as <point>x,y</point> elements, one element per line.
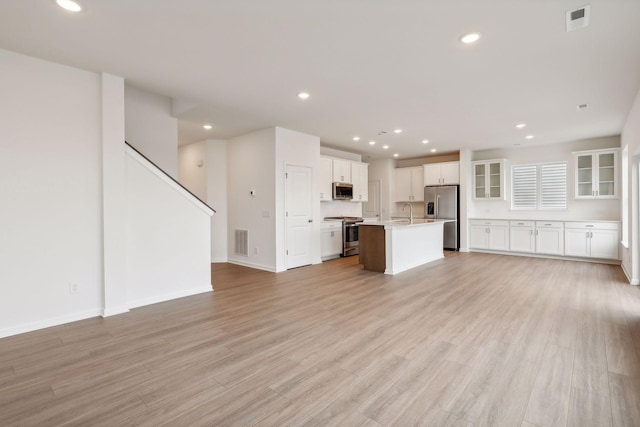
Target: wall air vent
<point>578,18</point>
<point>242,242</point>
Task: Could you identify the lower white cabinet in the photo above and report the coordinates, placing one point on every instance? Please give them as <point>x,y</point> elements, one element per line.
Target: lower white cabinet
<point>537,237</point>
<point>522,236</point>
<point>550,237</point>
<point>562,238</point>
<point>489,234</point>
<point>592,239</point>
<point>331,239</point>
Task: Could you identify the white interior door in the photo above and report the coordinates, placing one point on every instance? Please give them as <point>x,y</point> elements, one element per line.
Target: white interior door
<point>298,216</point>
<point>372,206</point>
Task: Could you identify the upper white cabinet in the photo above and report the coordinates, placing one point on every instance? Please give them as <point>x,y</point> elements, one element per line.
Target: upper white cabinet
<point>488,179</point>
<point>360,181</point>
<point>596,174</point>
<point>326,179</point>
<point>342,171</point>
<point>410,184</point>
<point>442,173</point>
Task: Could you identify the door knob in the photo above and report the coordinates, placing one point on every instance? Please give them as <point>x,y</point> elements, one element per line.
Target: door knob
<point>310,220</point>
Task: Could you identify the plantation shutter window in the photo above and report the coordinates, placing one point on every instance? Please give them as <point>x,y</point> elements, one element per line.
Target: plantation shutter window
<point>539,186</point>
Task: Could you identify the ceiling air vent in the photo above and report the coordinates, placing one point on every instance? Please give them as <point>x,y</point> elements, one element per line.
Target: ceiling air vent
<point>578,18</point>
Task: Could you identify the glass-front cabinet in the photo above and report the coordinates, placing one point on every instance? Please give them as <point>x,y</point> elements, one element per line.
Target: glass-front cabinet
<point>596,174</point>
<point>488,179</point>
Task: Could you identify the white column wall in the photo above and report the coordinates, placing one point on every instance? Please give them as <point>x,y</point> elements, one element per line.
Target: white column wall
<point>51,194</point>
<point>113,196</point>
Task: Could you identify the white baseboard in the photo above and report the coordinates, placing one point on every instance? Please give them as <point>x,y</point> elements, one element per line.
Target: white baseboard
<point>112,311</point>
<point>47,323</point>
<point>252,265</point>
<point>464,250</point>
<point>631,280</point>
<point>219,260</point>
<point>170,296</point>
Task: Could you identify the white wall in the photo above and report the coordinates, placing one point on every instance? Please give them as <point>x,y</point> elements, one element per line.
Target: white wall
<point>216,164</point>
<point>193,168</point>
<point>332,152</point>
<point>251,166</point>
<point>50,187</point>
<point>631,137</point>
<point>209,183</point>
<point>296,149</point>
<point>168,238</point>
<point>150,128</point>
<point>576,209</point>
<point>383,170</point>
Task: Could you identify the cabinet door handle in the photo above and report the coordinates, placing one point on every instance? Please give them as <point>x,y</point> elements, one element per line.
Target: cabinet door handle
<point>530,232</point>
<point>587,234</point>
<point>332,233</point>
<point>591,234</point>
<point>536,232</point>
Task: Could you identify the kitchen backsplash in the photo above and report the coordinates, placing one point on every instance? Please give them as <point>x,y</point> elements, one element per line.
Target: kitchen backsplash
<point>340,208</point>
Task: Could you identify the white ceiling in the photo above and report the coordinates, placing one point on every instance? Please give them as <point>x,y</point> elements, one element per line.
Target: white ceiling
<point>369,65</point>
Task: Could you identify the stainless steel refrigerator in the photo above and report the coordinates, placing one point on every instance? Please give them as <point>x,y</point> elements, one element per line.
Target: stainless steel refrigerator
<point>442,202</point>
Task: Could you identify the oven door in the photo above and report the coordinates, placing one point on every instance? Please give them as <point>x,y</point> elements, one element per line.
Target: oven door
<point>351,245</point>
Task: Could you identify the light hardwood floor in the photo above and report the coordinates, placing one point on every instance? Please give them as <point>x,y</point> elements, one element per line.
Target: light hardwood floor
<point>474,339</point>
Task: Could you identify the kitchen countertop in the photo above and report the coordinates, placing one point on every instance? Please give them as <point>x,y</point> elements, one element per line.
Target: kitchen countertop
<point>542,220</point>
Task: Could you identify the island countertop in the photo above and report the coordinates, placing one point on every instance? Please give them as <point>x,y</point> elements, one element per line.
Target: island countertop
<point>405,222</point>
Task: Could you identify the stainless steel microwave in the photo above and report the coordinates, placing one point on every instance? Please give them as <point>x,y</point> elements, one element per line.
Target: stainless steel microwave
<point>342,191</point>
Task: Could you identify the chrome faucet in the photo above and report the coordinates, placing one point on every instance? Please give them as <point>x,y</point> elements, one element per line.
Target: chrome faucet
<point>410,210</point>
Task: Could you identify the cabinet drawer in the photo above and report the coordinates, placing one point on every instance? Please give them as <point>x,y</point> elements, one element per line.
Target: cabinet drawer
<point>549,224</point>
<point>583,225</point>
<point>522,223</point>
<point>331,225</point>
<point>489,222</point>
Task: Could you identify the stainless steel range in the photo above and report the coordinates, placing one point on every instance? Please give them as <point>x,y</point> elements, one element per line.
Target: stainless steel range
<point>350,242</point>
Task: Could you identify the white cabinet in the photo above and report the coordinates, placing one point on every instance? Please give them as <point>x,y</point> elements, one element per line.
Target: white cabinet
<point>522,236</point>
<point>489,234</point>
<point>442,173</point>
<point>596,174</point>
<point>592,239</point>
<point>331,239</point>
<point>541,237</point>
<point>360,180</point>
<point>488,179</point>
<point>326,179</point>
<point>342,171</point>
<point>550,237</point>
<point>410,184</point>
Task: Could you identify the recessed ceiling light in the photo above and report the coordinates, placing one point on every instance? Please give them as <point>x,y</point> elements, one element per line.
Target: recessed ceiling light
<point>425,141</point>
<point>397,131</point>
<point>385,147</point>
<point>69,5</point>
<point>207,127</point>
<point>521,125</point>
<point>356,138</point>
<point>303,95</point>
<point>372,143</point>
<point>529,137</point>
<point>433,150</point>
<point>470,38</point>
<point>395,154</point>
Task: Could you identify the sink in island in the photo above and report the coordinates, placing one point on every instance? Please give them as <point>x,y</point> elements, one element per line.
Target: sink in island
<point>394,246</point>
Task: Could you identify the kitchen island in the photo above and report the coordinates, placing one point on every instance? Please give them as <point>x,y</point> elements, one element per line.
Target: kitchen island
<point>392,247</point>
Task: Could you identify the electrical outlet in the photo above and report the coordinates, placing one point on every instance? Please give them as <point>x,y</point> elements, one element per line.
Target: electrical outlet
<point>73,288</point>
